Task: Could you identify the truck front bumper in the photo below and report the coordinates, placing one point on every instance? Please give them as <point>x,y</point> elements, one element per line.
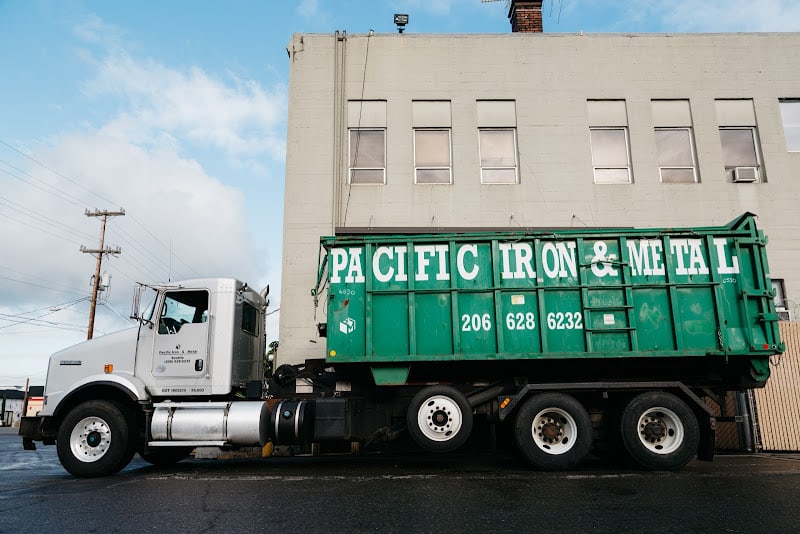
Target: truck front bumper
<point>30,428</point>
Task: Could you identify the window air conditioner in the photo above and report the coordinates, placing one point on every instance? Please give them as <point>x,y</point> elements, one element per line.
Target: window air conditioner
<point>745,174</point>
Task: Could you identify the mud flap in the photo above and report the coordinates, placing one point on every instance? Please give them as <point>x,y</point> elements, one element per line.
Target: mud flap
<point>708,440</point>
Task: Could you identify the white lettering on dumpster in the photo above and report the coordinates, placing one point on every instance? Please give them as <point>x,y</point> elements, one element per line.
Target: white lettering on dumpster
<point>390,274</point>
<point>462,270</point>
<point>426,253</point>
<point>558,259</point>
<point>517,260</point>
<point>721,244</point>
<point>646,257</point>
<point>355,273</point>
<point>689,255</point>
<point>523,256</point>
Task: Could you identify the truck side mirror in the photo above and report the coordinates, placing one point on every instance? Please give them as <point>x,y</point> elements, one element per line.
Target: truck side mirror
<point>137,299</point>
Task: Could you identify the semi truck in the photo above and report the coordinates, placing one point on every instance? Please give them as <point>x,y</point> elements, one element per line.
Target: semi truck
<point>554,341</point>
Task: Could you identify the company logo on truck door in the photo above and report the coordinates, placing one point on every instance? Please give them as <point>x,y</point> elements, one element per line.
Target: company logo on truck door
<point>517,260</point>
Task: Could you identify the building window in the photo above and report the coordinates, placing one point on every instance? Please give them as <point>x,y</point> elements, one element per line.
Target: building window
<point>677,159</point>
<point>432,123</point>
<point>790,114</point>
<point>781,303</point>
<point>497,141</point>
<point>610,155</point>
<point>608,133</point>
<point>498,151</point>
<point>739,138</point>
<point>676,156</point>
<point>367,156</point>
<point>432,156</point>
<point>740,154</point>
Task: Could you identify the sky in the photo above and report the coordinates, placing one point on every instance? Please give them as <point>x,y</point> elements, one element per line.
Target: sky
<point>176,112</point>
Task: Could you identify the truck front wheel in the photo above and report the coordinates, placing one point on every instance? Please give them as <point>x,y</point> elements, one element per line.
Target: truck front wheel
<point>659,431</point>
<point>439,418</point>
<point>94,440</point>
<point>553,431</point>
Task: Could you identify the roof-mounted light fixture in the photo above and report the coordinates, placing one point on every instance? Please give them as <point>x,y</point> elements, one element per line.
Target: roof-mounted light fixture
<point>401,20</point>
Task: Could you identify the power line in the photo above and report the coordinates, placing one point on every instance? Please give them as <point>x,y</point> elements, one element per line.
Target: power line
<point>57,173</point>
<point>52,191</point>
<point>38,285</point>
<point>165,246</point>
<point>72,199</point>
<point>19,208</point>
<point>17,320</point>
<point>29,225</point>
<point>55,307</point>
<point>141,249</point>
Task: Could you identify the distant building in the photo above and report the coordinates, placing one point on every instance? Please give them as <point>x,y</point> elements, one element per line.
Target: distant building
<point>12,404</point>
<point>409,132</point>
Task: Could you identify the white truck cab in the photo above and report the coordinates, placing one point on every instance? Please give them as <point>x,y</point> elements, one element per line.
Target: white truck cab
<point>199,347</point>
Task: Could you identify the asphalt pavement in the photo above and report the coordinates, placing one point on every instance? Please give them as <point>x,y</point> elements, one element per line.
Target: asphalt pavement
<point>464,492</point>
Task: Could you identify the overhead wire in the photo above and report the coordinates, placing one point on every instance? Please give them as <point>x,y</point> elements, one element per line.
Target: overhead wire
<point>358,130</point>
<point>29,225</point>
<point>72,199</point>
<point>29,277</point>
<point>19,208</point>
<point>165,246</point>
<point>57,173</point>
<point>39,285</point>
<point>45,188</point>
<point>19,319</point>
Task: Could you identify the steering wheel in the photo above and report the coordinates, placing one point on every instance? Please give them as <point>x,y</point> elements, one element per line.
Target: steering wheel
<point>169,326</point>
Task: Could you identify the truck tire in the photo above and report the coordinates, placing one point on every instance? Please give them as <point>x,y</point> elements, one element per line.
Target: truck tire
<point>553,431</point>
<point>439,418</point>
<point>165,455</point>
<point>94,440</point>
<point>659,431</point>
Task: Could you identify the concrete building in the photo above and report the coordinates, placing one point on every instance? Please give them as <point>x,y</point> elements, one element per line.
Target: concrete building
<point>405,132</point>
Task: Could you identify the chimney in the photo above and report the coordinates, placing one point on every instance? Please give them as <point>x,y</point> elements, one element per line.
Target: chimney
<point>526,16</point>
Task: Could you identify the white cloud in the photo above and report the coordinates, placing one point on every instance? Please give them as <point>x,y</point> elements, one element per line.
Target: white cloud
<point>308,8</point>
<point>181,220</point>
<point>92,29</point>
<point>179,223</point>
<point>240,117</point>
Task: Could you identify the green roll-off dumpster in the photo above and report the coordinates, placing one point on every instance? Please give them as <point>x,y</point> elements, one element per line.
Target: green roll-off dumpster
<point>579,310</point>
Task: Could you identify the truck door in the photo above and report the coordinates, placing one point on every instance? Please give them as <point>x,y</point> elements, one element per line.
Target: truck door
<point>182,335</point>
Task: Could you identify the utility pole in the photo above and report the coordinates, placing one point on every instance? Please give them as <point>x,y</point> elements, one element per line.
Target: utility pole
<point>100,251</point>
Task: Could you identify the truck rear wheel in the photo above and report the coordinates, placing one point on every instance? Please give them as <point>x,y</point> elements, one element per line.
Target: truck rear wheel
<point>439,418</point>
<point>94,440</point>
<point>553,431</point>
<point>659,431</point>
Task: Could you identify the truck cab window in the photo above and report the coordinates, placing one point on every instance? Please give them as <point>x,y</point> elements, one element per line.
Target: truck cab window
<point>249,319</point>
<point>180,308</point>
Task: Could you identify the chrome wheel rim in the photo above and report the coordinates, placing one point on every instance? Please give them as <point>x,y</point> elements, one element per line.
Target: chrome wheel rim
<point>90,439</point>
<point>554,431</point>
<point>439,418</point>
<point>660,430</point>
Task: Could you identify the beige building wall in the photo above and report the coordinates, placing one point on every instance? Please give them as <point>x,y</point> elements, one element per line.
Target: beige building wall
<point>550,78</point>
